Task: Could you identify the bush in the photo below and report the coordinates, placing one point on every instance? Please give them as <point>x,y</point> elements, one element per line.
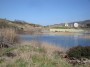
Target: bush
<point>3,24</point>
<point>79,52</point>
<point>8,37</point>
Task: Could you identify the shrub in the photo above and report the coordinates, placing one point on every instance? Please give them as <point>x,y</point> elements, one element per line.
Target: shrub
<point>4,24</point>
<point>8,37</point>
<point>79,52</point>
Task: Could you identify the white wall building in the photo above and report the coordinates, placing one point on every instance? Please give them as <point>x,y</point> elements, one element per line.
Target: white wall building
<point>66,24</point>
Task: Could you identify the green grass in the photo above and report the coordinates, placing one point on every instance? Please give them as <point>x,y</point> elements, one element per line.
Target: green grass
<point>3,51</point>
<point>43,61</point>
<point>2,60</point>
<point>26,48</point>
<point>18,63</point>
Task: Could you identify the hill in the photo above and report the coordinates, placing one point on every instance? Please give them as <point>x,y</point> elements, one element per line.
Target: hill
<point>82,24</point>
<point>18,25</point>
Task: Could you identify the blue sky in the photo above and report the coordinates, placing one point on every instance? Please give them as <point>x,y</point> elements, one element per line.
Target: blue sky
<point>45,12</point>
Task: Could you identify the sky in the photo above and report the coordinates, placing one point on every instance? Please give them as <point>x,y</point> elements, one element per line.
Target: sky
<point>45,12</point>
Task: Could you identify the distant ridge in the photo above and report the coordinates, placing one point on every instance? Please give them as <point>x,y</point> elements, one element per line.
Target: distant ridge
<point>63,24</point>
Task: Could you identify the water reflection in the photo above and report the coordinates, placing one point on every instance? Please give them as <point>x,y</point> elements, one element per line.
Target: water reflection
<point>76,40</point>
<point>60,40</point>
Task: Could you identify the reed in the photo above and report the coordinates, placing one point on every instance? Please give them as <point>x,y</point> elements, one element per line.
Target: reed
<point>8,37</point>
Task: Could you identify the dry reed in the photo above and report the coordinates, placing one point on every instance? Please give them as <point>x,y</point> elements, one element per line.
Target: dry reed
<point>8,37</point>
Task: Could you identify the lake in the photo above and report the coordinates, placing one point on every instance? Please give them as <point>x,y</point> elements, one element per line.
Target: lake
<point>66,41</point>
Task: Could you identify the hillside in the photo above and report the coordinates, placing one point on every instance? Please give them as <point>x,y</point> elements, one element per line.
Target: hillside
<point>18,25</point>
<point>82,24</point>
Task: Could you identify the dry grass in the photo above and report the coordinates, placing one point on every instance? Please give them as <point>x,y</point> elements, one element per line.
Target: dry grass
<point>30,54</point>
<point>34,54</point>
<point>8,37</point>
<point>49,48</point>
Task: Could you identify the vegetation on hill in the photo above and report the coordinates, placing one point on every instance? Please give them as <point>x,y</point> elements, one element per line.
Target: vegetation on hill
<point>82,24</point>
<point>18,25</point>
<point>19,22</point>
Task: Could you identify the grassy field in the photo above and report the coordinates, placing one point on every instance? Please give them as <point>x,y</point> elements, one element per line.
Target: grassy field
<point>33,54</point>
<point>28,55</point>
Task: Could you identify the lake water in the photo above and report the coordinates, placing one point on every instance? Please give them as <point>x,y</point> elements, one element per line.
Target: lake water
<point>60,40</point>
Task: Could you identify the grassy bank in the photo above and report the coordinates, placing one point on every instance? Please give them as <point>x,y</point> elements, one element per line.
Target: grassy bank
<point>28,55</point>
<point>34,54</point>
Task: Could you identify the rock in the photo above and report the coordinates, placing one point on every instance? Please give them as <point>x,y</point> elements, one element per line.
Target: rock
<point>81,61</point>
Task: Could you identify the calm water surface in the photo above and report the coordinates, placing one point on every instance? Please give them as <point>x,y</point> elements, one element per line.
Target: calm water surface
<point>60,40</point>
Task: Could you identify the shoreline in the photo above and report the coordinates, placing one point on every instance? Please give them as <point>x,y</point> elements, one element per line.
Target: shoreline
<point>81,35</point>
<point>60,33</point>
